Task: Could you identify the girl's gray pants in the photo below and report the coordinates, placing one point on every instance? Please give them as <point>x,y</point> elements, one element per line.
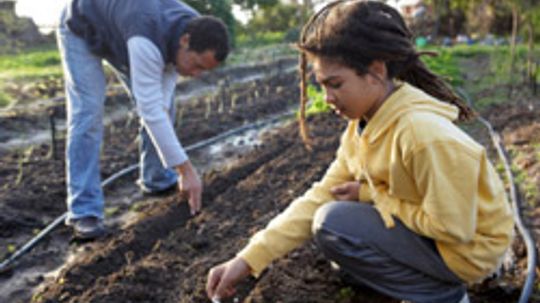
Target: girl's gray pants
<point>396,262</point>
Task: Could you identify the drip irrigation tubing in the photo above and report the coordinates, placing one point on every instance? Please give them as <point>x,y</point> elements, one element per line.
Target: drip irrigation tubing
<point>516,201</point>
<point>6,264</point>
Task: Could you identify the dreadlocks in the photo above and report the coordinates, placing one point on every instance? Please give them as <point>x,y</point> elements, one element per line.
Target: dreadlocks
<point>355,33</point>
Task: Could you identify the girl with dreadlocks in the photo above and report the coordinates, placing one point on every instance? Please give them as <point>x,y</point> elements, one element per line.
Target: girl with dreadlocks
<point>411,206</point>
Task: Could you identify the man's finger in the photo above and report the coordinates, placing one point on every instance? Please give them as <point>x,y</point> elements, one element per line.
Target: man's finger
<point>194,201</point>
<point>199,200</point>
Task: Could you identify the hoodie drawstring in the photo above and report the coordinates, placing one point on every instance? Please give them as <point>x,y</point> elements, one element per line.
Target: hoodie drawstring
<point>380,198</point>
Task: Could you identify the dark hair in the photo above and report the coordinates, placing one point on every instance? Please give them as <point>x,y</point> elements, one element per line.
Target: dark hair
<point>208,33</point>
<point>356,33</point>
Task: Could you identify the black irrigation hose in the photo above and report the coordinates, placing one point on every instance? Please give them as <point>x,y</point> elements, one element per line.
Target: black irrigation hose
<point>515,198</point>
<point>5,265</point>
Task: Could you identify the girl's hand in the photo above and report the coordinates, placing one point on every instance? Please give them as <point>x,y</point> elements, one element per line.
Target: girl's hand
<point>223,278</point>
<point>347,191</point>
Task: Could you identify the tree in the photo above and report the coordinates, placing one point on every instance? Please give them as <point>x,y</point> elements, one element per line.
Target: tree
<point>253,4</point>
<point>525,14</point>
<point>218,8</point>
<point>277,18</point>
<point>281,19</point>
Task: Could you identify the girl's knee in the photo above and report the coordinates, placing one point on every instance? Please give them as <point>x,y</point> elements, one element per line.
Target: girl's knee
<point>339,214</point>
<point>325,215</point>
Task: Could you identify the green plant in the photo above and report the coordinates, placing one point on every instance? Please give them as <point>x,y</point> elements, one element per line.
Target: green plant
<point>445,65</point>
<point>5,99</point>
<point>317,103</point>
<point>111,211</point>
<point>345,294</point>
<point>37,297</point>
<point>522,179</point>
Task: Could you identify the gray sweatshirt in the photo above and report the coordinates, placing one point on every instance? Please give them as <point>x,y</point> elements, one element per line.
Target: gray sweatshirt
<point>140,38</point>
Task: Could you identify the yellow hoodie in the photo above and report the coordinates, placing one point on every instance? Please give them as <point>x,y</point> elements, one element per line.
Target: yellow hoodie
<point>414,164</point>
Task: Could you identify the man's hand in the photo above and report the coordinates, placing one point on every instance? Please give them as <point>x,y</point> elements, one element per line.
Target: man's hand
<point>190,185</point>
<point>223,278</point>
<point>347,191</point>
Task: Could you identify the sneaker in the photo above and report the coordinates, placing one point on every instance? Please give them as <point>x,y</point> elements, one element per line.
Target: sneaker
<point>465,299</point>
<point>161,193</point>
<point>89,228</point>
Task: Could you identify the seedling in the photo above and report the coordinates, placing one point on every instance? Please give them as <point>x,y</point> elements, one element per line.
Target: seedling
<point>233,102</point>
<point>27,154</point>
<point>52,116</point>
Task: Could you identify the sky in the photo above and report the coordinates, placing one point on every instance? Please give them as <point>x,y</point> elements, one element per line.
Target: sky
<point>46,12</point>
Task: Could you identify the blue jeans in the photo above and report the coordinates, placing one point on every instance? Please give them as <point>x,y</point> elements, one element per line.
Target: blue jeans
<point>396,262</point>
<point>85,96</point>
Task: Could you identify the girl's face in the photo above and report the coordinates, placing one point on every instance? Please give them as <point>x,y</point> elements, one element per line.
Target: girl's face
<point>352,96</point>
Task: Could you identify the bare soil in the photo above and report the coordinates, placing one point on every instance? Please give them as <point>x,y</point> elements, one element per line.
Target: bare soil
<point>165,254</point>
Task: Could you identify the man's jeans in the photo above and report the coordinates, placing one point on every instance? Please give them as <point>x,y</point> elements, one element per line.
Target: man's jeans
<point>85,91</point>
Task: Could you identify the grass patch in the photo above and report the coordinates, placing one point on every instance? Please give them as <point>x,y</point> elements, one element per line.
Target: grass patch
<point>31,64</point>
<point>487,68</point>
<point>260,39</point>
<point>5,99</point>
<point>267,53</point>
<point>445,65</point>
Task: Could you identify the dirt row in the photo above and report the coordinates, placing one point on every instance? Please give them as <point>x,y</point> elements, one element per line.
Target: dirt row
<point>165,257</point>
<point>28,118</point>
<point>32,182</point>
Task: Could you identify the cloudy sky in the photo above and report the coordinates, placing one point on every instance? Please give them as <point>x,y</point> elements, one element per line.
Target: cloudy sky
<point>46,12</point>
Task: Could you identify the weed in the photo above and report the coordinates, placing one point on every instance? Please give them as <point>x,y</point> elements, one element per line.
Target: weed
<point>345,293</point>
<point>27,154</point>
<point>317,101</point>
<point>5,99</point>
<point>37,297</point>
<point>111,211</point>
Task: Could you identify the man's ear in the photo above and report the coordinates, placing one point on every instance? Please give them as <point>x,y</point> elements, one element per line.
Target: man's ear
<point>184,41</point>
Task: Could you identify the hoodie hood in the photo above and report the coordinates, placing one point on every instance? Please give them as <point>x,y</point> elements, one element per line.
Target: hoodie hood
<point>396,106</point>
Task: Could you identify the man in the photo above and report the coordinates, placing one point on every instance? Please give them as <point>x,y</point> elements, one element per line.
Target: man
<point>149,42</point>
